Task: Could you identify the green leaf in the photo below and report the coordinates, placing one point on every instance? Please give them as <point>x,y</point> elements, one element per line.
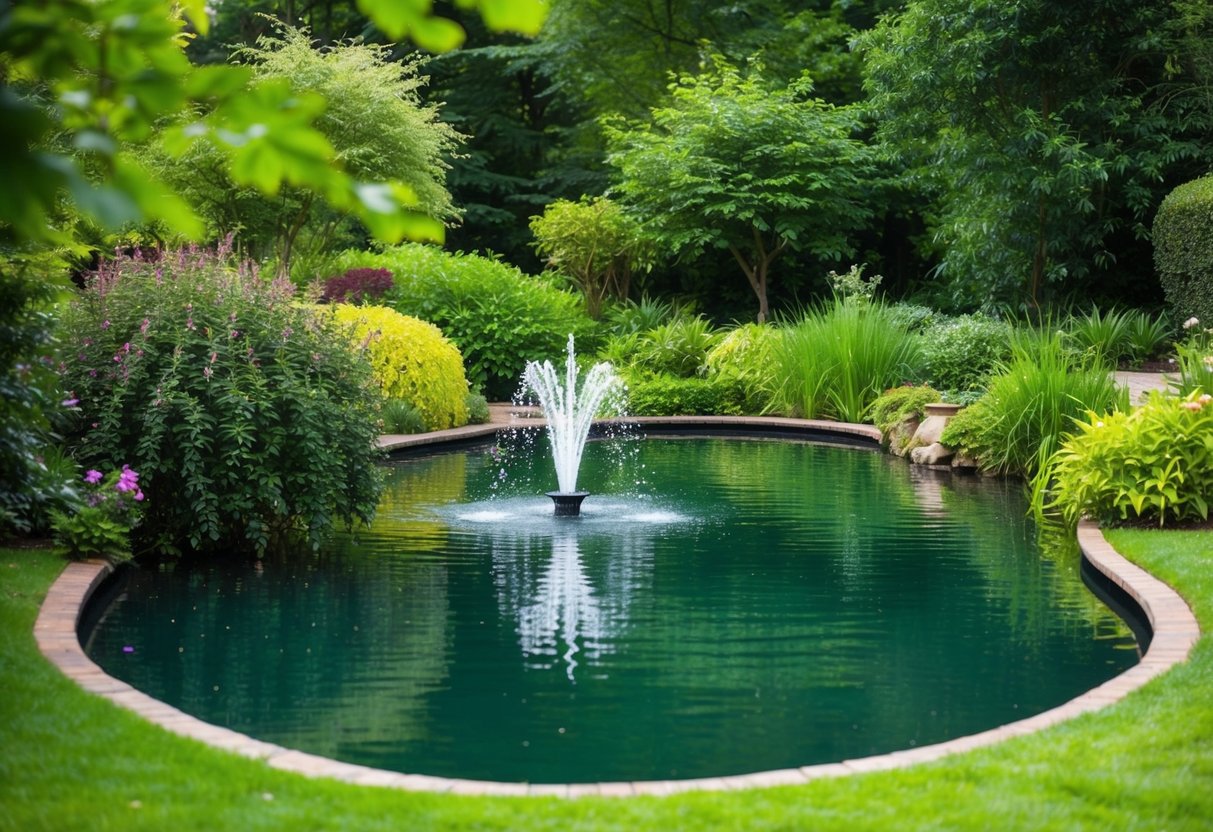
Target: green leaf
<point>437,34</point>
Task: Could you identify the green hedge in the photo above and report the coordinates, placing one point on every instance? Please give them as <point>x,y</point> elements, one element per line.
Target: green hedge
<point>1183,250</point>
<point>665,395</point>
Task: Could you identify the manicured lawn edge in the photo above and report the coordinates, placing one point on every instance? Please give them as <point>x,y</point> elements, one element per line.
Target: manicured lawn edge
<point>1175,632</point>
<point>74,761</point>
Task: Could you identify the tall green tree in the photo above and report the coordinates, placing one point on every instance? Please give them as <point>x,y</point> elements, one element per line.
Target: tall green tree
<point>1032,131</point>
<point>733,165</point>
<point>375,122</point>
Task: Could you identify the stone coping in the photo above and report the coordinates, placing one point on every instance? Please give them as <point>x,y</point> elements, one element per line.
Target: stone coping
<point>520,417</point>
<point>1175,632</point>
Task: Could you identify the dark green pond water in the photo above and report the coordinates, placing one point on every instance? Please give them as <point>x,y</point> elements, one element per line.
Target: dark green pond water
<point>746,605</point>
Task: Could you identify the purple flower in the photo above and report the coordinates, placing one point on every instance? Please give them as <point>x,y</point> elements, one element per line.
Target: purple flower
<point>138,496</point>
<point>70,402</point>
<point>143,326</point>
<point>92,476</point>
<point>105,324</point>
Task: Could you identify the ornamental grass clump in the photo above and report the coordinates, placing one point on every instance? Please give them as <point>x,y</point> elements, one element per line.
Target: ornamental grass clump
<point>1154,463</point>
<point>1031,404</point>
<point>248,416</point>
<point>838,359</point>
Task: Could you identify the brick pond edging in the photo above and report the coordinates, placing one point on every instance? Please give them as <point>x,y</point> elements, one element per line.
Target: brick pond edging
<point>1175,632</point>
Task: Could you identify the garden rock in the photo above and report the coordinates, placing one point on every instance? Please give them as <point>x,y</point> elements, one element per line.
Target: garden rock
<point>933,454</point>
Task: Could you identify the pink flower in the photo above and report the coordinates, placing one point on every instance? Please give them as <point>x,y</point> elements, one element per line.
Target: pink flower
<point>128,480</point>
<point>105,324</point>
<point>92,476</point>
<point>143,326</point>
<point>1193,406</point>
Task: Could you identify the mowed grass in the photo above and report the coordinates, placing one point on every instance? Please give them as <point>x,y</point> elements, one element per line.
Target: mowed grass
<point>69,760</point>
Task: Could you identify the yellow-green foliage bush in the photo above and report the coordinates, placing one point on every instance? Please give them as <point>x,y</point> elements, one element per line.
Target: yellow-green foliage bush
<point>413,361</point>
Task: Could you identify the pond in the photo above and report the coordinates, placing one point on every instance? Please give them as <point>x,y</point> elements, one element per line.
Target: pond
<point>722,606</point>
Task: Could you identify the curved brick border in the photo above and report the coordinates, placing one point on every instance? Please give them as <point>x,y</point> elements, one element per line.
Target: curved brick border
<point>1175,632</point>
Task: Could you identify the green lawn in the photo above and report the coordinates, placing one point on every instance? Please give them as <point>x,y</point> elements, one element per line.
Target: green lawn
<point>69,760</point>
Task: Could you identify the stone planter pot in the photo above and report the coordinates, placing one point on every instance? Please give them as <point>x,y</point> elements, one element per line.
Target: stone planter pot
<point>935,416</point>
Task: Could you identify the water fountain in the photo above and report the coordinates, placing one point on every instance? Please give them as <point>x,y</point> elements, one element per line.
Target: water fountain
<point>569,414</point>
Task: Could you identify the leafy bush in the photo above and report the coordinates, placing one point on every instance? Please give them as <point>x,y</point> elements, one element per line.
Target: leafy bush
<point>498,317</point>
<point>913,317</point>
<point>677,348</point>
<point>412,361</point>
<point>248,416</point>
<point>478,409</point>
<point>665,395</point>
<point>401,416</point>
<point>839,358</point>
<point>30,401</point>
<point>1102,336</point>
<point>357,286</point>
<point>1030,406</point>
<point>1183,249</point>
<point>746,353</point>
<point>1153,462</point>
<point>899,404</point>
<point>595,244</point>
<point>959,353</point>
<point>100,522</point>
<point>1146,336</point>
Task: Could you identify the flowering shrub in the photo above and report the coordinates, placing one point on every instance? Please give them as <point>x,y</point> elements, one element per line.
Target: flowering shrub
<point>101,522</point>
<point>1154,462</point>
<point>248,416</point>
<point>412,361</point>
<point>357,286</point>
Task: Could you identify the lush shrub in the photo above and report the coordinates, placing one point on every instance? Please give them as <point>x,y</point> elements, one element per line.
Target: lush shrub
<point>1030,406</point>
<point>677,348</point>
<point>401,416</point>
<point>357,286</point>
<point>412,361</point>
<point>959,353</point>
<point>499,317</point>
<point>1103,337</point>
<point>839,358</point>
<point>746,353</point>
<point>901,403</point>
<point>665,395</point>
<point>1183,249</point>
<point>595,244</point>
<point>639,316</point>
<point>478,409</point>
<point>1153,462</point>
<point>248,416</point>
<point>30,401</point>
<point>914,317</point>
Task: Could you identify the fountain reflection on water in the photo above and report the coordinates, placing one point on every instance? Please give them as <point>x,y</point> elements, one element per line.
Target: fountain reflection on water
<point>570,413</point>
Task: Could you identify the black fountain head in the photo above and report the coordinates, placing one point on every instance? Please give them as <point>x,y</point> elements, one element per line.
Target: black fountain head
<point>568,503</point>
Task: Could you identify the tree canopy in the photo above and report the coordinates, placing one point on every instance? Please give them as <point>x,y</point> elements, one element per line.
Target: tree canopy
<point>734,165</point>
<point>1035,131</point>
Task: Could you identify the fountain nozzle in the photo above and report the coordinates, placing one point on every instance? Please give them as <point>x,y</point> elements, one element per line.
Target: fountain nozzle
<point>568,503</point>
